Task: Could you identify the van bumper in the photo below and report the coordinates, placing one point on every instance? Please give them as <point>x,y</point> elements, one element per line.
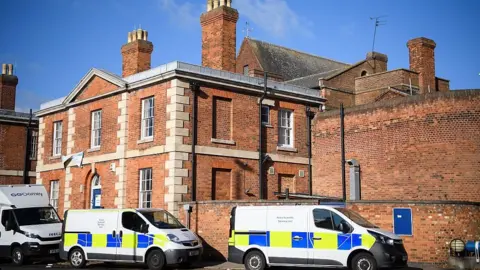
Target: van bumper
<point>388,256</point>
<point>178,256</point>
<point>34,249</point>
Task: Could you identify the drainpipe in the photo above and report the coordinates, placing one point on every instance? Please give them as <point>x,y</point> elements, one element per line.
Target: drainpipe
<point>26,179</point>
<point>260,154</point>
<point>195,88</point>
<point>309,149</point>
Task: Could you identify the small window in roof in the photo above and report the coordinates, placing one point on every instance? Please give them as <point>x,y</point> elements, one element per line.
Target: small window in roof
<point>364,73</point>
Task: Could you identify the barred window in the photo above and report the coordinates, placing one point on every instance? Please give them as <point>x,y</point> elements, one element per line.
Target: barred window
<point>33,144</point>
<point>145,188</point>
<point>54,189</point>
<point>57,138</point>
<point>285,135</point>
<point>96,129</point>
<point>147,118</point>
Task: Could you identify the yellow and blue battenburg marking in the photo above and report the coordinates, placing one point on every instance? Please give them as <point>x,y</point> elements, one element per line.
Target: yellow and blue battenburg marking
<point>279,239</point>
<point>108,241</point>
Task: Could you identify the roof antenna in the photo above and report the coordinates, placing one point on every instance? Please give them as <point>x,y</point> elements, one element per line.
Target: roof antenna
<point>247,29</point>
<point>378,23</point>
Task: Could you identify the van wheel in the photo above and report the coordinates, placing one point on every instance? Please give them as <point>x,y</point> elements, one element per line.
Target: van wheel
<point>364,261</point>
<point>254,261</point>
<point>77,258</point>
<point>18,258</point>
<point>155,260</point>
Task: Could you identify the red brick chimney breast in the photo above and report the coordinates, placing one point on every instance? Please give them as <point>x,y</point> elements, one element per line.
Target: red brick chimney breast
<point>137,53</point>
<point>219,35</point>
<point>422,60</point>
<point>8,87</point>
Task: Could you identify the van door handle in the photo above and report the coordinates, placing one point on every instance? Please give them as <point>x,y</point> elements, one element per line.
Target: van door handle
<point>297,238</point>
<point>121,234</point>
<point>113,234</point>
<point>317,238</point>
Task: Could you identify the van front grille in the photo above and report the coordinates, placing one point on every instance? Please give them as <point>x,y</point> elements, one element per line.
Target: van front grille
<point>190,243</point>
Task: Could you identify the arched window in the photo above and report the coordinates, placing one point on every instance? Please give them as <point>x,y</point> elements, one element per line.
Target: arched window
<point>364,73</point>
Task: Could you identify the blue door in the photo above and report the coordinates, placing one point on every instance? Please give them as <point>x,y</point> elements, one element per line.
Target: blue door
<point>96,198</point>
<point>402,221</point>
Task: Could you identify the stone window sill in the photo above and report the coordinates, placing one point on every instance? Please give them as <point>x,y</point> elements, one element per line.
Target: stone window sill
<point>146,140</point>
<point>220,141</point>
<point>93,149</point>
<point>286,149</point>
<point>267,125</point>
<point>55,157</point>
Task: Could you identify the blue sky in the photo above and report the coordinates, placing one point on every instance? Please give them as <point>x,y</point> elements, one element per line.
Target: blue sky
<point>55,42</point>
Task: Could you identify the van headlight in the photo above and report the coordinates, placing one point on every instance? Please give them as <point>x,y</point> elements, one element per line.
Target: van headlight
<point>31,235</point>
<point>173,238</point>
<point>382,238</point>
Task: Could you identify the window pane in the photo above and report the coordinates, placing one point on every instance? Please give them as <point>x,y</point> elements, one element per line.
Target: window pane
<point>337,220</point>
<point>322,219</point>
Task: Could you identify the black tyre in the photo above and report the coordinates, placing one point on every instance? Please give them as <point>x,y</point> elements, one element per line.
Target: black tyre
<point>364,261</point>
<point>254,261</point>
<point>18,258</point>
<point>155,260</point>
<point>77,258</point>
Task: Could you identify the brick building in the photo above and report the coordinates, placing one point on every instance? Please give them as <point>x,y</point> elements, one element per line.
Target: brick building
<point>176,132</point>
<point>18,153</point>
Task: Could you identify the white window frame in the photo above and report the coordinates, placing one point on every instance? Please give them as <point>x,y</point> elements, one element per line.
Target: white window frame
<point>34,145</point>
<point>146,176</point>
<point>283,128</point>
<point>147,120</point>
<point>268,115</point>
<point>57,138</point>
<point>54,193</point>
<point>96,129</point>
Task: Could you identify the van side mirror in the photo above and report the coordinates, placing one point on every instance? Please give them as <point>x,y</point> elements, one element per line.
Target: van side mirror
<point>344,227</point>
<point>144,228</point>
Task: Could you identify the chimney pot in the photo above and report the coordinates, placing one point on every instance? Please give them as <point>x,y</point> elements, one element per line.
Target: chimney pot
<point>145,33</point>
<point>10,69</point>
<point>209,5</point>
<point>139,34</point>
<point>215,4</point>
<point>4,69</point>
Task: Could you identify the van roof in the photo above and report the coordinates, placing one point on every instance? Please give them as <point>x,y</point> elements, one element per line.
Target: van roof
<point>24,196</point>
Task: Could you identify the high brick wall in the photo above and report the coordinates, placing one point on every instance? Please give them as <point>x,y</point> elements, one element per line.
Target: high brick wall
<point>416,148</point>
<point>434,225</point>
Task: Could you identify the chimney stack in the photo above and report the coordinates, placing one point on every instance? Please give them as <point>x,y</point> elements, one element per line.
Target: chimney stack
<point>422,60</point>
<point>378,61</point>
<point>8,87</point>
<point>137,53</point>
<point>219,35</point>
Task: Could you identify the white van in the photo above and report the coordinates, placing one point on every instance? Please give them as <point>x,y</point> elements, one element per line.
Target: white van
<point>313,236</point>
<point>147,236</point>
<point>30,226</point>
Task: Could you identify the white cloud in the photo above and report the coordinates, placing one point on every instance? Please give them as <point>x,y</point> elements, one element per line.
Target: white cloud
<point>274,17</point>
<point>184,14</point>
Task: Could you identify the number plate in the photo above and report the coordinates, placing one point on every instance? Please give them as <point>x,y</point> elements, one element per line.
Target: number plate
<point>194,253</point>
<point>53,251</point>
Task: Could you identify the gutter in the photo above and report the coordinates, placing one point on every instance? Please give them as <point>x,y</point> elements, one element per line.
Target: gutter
<point>26,178</point>
<point>195,88</point>
<point>260,130</point>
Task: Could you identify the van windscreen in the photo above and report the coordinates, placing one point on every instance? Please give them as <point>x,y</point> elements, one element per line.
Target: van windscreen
<point>356,218</point>
<point>35,216</point>
<point>162,219</point>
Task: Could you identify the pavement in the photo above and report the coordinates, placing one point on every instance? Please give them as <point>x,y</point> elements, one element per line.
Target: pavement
<point>202,265</point>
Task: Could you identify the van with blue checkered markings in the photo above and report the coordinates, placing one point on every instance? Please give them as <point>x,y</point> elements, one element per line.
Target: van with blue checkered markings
<point>147,236</point>
<point>311,236</point>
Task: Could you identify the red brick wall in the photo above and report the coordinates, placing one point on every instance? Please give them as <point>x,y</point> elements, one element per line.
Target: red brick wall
<point>12,147</point>
<point>210,220</point>
<point>83,126</point>
<point>346,80</point>
<point>12,180</point>
<point>159,92</point>
<point>221,182</point>
<point>417,148</point>
<point>385,79</point>
<point>55,175</point>
<point>137,56</point>
<point>222,118</point>
<point>157,163</point>
<point>247,57</point>
<point>96,86</point>
<point>48,143</point>
<point>244,177</point>
<point>443,85</point>
<point>335,98</point>
<point>219,38</point>
<point>245,122</point>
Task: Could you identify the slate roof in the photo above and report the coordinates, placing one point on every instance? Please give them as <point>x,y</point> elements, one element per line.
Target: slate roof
<point>10,115</point>
<point>311,81</point>
<point>289,63</point>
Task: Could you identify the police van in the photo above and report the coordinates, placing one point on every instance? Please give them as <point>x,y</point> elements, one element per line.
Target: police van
<point>312,236</point>
<point>30,227</point>
<point>147,236</point>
